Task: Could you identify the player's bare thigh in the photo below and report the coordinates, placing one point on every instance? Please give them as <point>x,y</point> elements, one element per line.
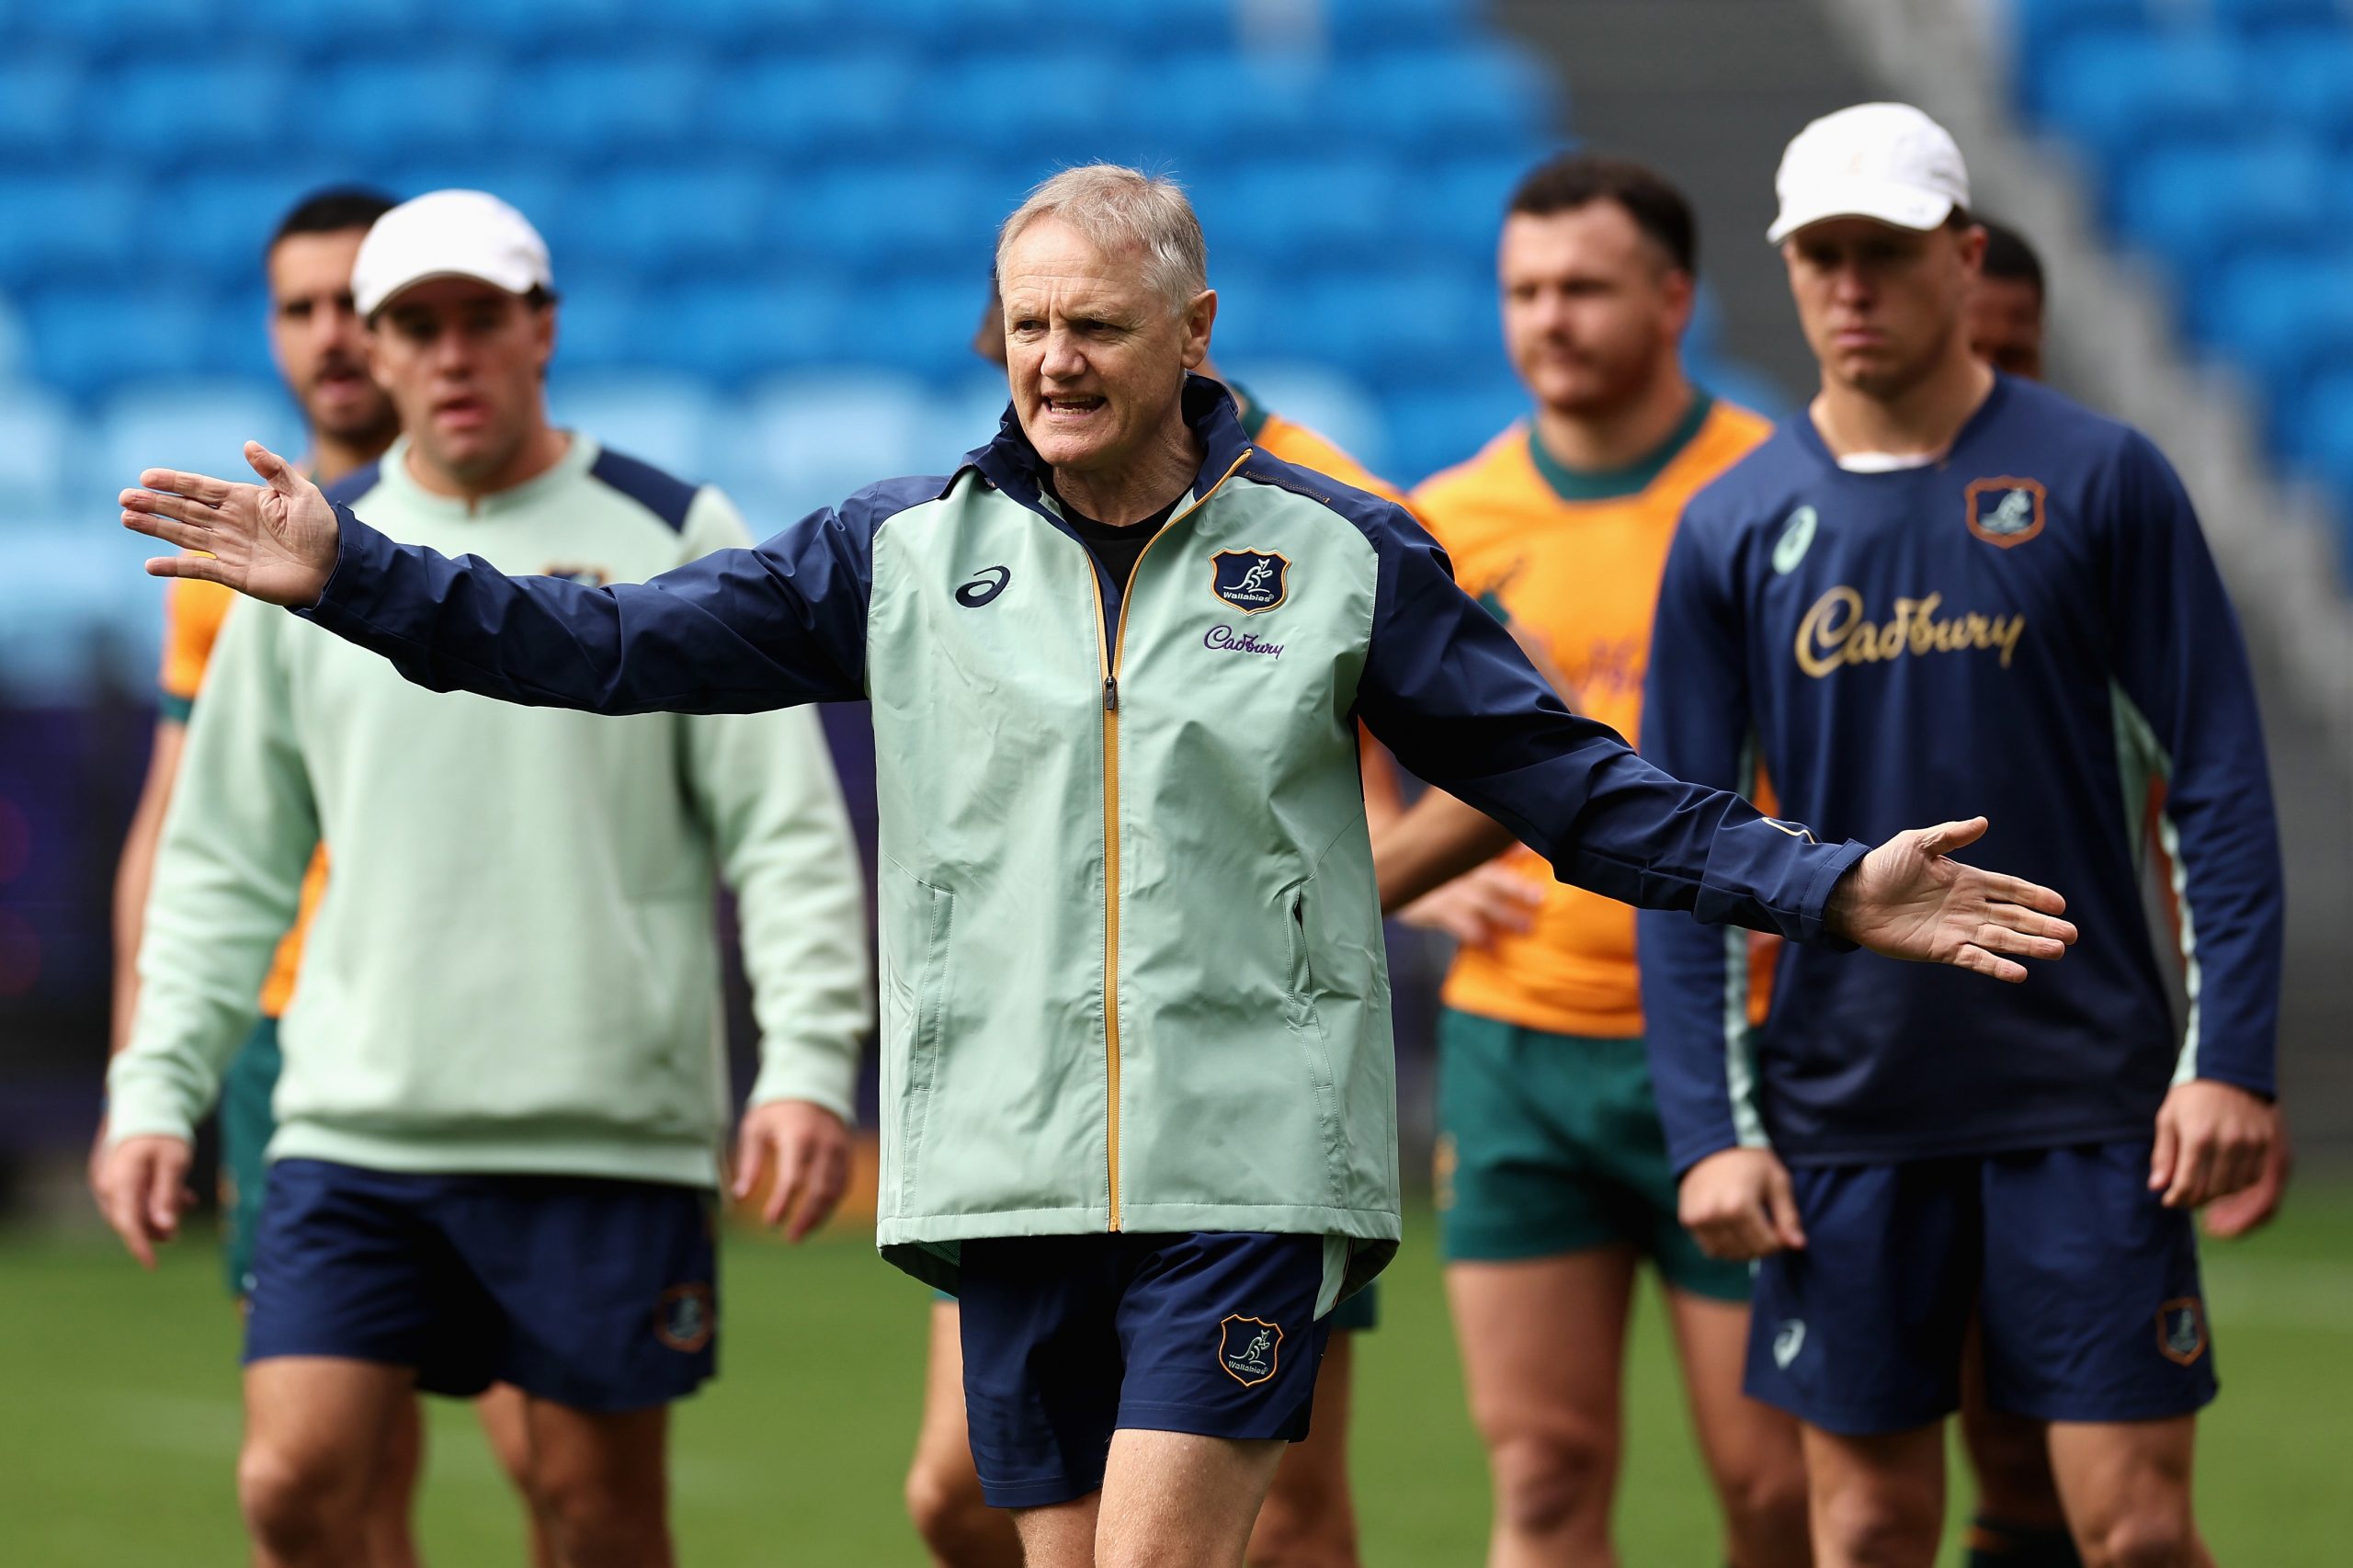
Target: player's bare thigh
<point>1168,1500</point>
<point>1543,1345</point>
<point>958,1526</point>
<point>2126,1486</point>
<point>601,1484</point>
<point>1876,1501</point>
<point>1309,1517</point>
<point>317,1435</point>
<point>1751,1450</point>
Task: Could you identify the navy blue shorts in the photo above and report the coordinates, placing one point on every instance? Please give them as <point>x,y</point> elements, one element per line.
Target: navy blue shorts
<point>1069,1338</point>
<point>600,1295</point>
<point>2086,1286</point>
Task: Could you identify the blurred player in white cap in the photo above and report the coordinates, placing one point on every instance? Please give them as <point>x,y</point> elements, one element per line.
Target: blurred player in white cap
<point>504,1092</point>
<point>1943,581</point>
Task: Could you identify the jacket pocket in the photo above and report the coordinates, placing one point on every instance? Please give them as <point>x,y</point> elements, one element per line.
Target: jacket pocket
<point>931,914</point>
<point>1315,1049</point>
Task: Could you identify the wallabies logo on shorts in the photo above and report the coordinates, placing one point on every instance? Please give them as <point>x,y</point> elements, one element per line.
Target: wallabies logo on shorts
<point>1251,581</point>
<point>686,1317</point>
<point>1247,1349</point>
<point>2181,1330</point>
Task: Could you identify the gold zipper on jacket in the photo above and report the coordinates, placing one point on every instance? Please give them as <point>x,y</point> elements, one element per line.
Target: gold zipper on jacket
<point>1108,661</point>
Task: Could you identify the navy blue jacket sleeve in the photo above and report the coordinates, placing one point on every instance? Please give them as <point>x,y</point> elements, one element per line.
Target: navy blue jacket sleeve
<point>735,632</point>
<point>1447,689</point>
<point>1695,980</point>
<point>2179,660</point>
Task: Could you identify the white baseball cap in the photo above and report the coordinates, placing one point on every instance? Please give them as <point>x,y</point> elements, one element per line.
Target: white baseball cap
<point>449,233</point>
<point>1885,162</point>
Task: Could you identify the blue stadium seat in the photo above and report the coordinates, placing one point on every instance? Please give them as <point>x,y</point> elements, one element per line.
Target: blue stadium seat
<point>803,105</point>
<point>201,425</point>
<point>164,113</point>
<point>77,616</point>
<point>662,217</point>
<point>1454,207</point>
<point>109,26</point>
<point>16,342</point>
<point>600,105</point>
<point>2041,27</point>
<point>1335,406</point>
<point>2257,17</point>
<point>84,226</point>
<point>88,340</point>
<point>604,321</point>
<point>407,107</point>
<point>2282,316</point>
<point>1436,427</point>
<point>222,219</point>
<point>36,448</point>
<point>1399,327</point>
<point>529,25</point>
<point>1277,213</point>
<point>1363,25</point>
<point>737,330</point>
<point>368,25</point>
<point>2197,205</point>
<point>1475,98</point>
<point>2116,96</point>
<point>671,421</point>
<point>2324,432</point>
<point>1238,105</point>
<point>1149,28</point>
<point>919,326</point>
<point>539,192</point>
<point>1049,103</point>
<point>2307,81</point>
<point>818,438</point>
<point>40,91</point>
<point>236,338</point>
<point>886,218</point>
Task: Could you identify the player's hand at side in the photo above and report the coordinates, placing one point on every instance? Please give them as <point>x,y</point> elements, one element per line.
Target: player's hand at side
<point>1908,899</point>
<point>1493,900</point>
<point>2214,1139</point>
<point>802,1151</point>
<point>142,1191</point>
<point>2250,1209</point>
<point>275,541</point>
<point>1738,1204</point>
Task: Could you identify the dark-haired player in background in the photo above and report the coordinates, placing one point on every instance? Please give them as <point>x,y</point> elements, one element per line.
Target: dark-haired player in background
<point>1309,1519</point>
<point>1941,581</point>
<point>320,346</point>
<point>1553,1183</point>
<point>2006,304</point>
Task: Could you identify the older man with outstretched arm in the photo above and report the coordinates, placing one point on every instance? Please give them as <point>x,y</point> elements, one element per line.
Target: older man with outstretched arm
<point>1139,1102</point>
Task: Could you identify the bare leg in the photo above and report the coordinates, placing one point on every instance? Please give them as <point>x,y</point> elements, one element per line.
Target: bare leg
<point>1751,1450</point>
<point>392,1498</point>
<point>602,1484</point>
<point>1061,1535</point>
<point>501,1411</point>
<point>1309,1519</point>
<point>316,1433</point>
<point>1175,1500</point>
<point>1542,1343</point>
<point>2126,1486</point>
<point>1878,1502</point>
<point>2011,1457</point>
<point>943,1490</point>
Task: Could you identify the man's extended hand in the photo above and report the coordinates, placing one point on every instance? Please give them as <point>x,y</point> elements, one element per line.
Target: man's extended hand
<point>1474,909</point>
<point>2213,1140</point>
<point>807,1148</point>
<point>275,541</point>
<point>1738,1204</point>
<point>1907,900</point>
<point>142,1191</point>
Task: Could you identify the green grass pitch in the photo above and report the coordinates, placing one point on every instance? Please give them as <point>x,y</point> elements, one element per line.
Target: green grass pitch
<point>121,1392</point>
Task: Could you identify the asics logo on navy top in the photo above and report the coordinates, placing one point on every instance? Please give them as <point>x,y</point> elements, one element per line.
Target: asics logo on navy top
<point>984,587</point>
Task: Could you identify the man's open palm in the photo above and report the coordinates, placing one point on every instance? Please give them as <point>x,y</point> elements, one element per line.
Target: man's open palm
<point>275,541</point>
<point>1908,899</point>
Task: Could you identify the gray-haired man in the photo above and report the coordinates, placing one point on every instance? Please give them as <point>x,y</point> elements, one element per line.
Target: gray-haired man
<point>1139,1105</point>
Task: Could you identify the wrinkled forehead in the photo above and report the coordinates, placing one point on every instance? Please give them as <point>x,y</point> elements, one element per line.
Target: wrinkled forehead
<point>1052,269</point>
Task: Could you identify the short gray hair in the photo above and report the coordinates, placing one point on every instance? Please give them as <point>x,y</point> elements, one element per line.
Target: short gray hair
<point>1117,208</point>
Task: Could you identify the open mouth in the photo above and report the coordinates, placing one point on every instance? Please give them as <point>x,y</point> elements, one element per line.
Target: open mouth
<point>460,412</point>
<point>1072,407</point>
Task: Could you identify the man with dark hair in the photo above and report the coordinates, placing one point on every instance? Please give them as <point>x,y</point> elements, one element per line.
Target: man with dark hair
<point>1941,581</point>
<point>2006,304</point>
<point>1553,1180</point>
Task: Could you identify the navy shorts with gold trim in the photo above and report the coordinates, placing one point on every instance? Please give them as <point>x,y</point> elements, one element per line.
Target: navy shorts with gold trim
<point>1070,1338</point>
<point>2087,1285</point>
<point>597,1294</point>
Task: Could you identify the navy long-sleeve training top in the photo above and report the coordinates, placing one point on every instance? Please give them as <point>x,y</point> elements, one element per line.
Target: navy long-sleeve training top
<point>2030,629</point>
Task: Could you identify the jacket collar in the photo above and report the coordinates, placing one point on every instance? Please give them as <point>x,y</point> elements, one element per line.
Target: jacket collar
<point>1013,465</point>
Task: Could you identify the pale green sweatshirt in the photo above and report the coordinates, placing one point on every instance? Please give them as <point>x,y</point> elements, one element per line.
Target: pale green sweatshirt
<point>515,965</point>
